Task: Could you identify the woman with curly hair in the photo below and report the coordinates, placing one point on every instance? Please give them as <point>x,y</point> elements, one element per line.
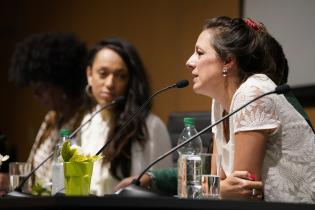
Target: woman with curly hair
<point>53,66</point>
<point>115,69</point>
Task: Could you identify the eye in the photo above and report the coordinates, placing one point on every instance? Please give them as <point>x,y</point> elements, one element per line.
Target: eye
<point>199,52</point>
<point>102,74</point>
<point>122,76</point>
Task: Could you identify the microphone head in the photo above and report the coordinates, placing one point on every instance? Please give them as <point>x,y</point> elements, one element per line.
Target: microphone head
<point>282,89</point>
<point>182,83</point>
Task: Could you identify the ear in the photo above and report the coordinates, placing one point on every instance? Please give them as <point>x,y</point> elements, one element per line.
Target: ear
<point>230,63</point>
<point>89,75</point>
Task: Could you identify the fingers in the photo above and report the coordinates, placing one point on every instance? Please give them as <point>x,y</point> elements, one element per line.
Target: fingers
<point>124,183</point>
<point>248,180</point>
<point>243,175</point>
<point>251,189</point>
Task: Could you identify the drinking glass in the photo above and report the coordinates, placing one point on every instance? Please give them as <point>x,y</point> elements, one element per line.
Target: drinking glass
<point>210,179</point>
<point>17,173</point>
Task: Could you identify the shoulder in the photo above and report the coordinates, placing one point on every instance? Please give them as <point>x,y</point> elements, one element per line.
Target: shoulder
<point>156,127</point>
<point>254,86</point>
<point>260,114</point>
<point>154,121</point>
<point>50,119</point>
<point>258,82</point>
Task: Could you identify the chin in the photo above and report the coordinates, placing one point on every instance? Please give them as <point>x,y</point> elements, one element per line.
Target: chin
<point>101,102</point>
<point>199,91</point>
<point>196,88</point>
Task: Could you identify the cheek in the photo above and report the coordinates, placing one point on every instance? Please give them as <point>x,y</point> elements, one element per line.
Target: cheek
<point>96,83</point>
<point>121,88</point>
<point>209,69</point>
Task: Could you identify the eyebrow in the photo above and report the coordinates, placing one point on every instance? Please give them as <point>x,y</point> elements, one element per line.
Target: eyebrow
<point>103,68</point>
<point>197,47</point>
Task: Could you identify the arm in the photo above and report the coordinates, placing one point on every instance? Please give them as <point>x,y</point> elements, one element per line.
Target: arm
<point>250,151</point>
<point>251,128</point>
<point>248,159</point>
<point>238,185</point>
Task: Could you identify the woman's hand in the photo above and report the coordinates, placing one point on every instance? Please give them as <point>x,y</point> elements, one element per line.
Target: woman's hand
<point>241,185</point>
<point>145,181</point>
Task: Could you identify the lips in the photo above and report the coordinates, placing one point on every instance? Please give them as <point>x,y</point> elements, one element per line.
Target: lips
<point>195,77</point>
<point>106,95</point>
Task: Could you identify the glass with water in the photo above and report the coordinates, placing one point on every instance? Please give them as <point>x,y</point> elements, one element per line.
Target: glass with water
<point>210,178</point>
<point>17,172</point>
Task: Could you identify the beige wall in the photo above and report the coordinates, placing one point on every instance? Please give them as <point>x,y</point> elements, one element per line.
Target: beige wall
<point>164,31</point>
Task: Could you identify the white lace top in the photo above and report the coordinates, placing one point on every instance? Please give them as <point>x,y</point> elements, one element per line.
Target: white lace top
<point>93,137</point>
<point>289,165</point>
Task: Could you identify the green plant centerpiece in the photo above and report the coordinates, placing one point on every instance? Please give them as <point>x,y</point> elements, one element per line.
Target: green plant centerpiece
<point>78,168</point>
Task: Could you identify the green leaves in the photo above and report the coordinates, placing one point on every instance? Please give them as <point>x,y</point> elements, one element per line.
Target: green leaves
<point>38,189</point>
<point>73,154</point>
<point>67,152</point>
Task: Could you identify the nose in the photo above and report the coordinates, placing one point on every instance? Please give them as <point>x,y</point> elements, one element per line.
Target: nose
<point>109,81</point>
<point>191,63</point>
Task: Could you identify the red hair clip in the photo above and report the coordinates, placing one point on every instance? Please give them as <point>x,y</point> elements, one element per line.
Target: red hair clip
<point>252,24</point>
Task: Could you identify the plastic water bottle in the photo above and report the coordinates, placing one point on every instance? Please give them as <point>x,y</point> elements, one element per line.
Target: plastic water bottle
<point>189,162</point>
<point>57,164</point>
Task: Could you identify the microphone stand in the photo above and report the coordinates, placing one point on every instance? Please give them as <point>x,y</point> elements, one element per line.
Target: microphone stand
<point>135,190</point>
<point>180,84</point>
<point>17,192</point>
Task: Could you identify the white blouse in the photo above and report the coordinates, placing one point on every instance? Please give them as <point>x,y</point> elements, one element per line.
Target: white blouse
<point>288,171</point>
<point>94,135</point>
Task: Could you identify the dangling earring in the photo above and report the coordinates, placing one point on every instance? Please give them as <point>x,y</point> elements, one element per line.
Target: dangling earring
<point>224,72</point>
<point>88,90</point>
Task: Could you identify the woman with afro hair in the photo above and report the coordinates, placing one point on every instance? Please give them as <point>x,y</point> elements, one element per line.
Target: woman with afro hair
<point>53,66</point>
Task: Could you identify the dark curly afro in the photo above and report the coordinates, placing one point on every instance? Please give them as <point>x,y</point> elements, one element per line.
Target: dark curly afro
<point>55,58</point>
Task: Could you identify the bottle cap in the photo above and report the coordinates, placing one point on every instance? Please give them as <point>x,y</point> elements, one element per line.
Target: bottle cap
<point>64,132</point>
<point>189,121</point>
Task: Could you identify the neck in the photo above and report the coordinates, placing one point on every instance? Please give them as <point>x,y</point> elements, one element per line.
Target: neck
<point>106,115</point>
<point>225,96</point>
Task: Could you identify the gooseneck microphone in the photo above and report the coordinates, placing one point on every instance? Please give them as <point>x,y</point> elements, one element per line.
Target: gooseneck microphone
<point>17,192</point>
<point>135,190</point>
<point>179,84</point>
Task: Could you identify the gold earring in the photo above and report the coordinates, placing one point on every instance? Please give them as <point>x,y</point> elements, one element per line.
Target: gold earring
<point>224,72</point>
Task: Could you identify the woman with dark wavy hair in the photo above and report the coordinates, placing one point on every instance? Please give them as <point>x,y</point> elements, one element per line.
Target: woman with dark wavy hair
<point>115,69</point>
<point>53,66</point>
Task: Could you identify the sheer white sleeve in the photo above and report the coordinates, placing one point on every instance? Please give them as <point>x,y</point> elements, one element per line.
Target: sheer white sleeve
<point>259,115</point>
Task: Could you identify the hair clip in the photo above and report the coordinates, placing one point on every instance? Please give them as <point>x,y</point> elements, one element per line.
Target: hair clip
<point>252,24</point>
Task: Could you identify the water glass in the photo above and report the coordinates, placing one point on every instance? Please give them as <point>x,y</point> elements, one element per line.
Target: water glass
<point>17,173</point>
<point>210,179</point>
